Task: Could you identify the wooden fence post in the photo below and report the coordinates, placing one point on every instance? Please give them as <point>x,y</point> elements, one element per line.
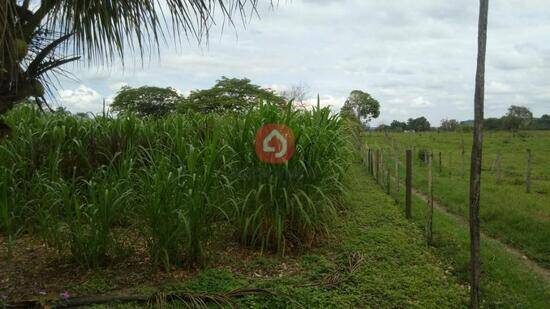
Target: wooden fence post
<point>429,219</point>
<point>440,164</point>
<point>368,160</point>
<point>388,177</point>
<point>497,167</point>
<point>383,156</point>
<point>377,164</point>
<point>372,159</point>
<point>528,172</point>
<point>463,151</point>
<point>408,196</point>
<point>397,175</point>
<point>450,164</point>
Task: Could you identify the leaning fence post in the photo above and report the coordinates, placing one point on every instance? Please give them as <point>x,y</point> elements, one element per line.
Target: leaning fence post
<point>429,221</point>
<point>528,173</point>
<point>408,196</point>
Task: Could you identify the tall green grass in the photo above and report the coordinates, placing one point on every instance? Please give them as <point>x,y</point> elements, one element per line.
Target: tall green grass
<point>284,206</point>
<point>81,185</point>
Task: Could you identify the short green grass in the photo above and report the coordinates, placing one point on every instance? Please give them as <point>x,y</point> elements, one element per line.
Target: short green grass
<point>506,281</point>
<point>507,212</point>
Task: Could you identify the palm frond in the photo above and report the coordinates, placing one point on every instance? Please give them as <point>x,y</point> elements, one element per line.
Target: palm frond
<point>105,29</point>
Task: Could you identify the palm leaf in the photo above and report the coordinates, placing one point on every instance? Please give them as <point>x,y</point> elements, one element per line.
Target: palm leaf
<point>106,28</point>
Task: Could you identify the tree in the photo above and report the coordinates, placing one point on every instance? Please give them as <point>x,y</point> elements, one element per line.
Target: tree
<point>230,94</point>
<point>477,147</point>
<point>493,124</point>
<point>449,125</point>
<point>361,106</point>
<point>418,124</point>
<point>38,37</point>
<point>146,101</point>
<point>298,93</point>
<point>382,127</point>
<point>542,123</point>
<point>517,118</point>
<point>82,115</point>
<point>398,126</point>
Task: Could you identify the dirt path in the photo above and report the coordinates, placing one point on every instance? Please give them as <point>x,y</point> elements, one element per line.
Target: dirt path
<point>534,266</point>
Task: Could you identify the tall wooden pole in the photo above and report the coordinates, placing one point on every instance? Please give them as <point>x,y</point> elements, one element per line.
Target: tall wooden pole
<point>475,171</point>
<point>430,213</point>
<point>528,172</point>
<point>462,154</point>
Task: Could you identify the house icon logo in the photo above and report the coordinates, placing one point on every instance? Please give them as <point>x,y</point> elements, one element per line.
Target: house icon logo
<point>274,143</point>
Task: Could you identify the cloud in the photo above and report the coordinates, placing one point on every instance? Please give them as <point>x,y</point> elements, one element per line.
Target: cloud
<point>417,58</point>
<point>420,102</point>
<point>82,99</point>
<point>497,87</point>
<point>334,103</point>
<point>116,86</point>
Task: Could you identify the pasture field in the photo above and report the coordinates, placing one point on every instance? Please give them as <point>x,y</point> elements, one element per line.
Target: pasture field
<point>507,212</point>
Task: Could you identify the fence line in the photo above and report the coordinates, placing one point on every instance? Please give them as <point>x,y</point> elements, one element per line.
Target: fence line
<point>501,166</point>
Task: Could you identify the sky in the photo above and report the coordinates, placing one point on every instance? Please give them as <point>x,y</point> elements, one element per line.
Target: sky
<point>416,57</point>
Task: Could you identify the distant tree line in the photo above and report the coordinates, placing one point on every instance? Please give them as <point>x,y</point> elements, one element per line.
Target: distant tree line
<point>228,95</point>
<point>419,124</point>
<point>517,118</point>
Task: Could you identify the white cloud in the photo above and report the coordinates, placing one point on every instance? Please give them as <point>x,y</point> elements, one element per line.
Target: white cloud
<point>116,86</point>
<point>82,99</point>
<point>416,57</point>
<point>335,103</point>
<point>420,102</point>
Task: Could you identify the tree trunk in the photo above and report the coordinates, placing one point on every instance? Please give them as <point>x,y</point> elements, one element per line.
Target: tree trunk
<point>475,172</point>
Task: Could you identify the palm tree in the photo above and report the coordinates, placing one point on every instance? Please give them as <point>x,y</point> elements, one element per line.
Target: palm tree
<point>38,37</point>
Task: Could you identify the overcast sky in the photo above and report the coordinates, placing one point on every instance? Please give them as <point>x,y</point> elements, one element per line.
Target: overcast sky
<point>416,57</point>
